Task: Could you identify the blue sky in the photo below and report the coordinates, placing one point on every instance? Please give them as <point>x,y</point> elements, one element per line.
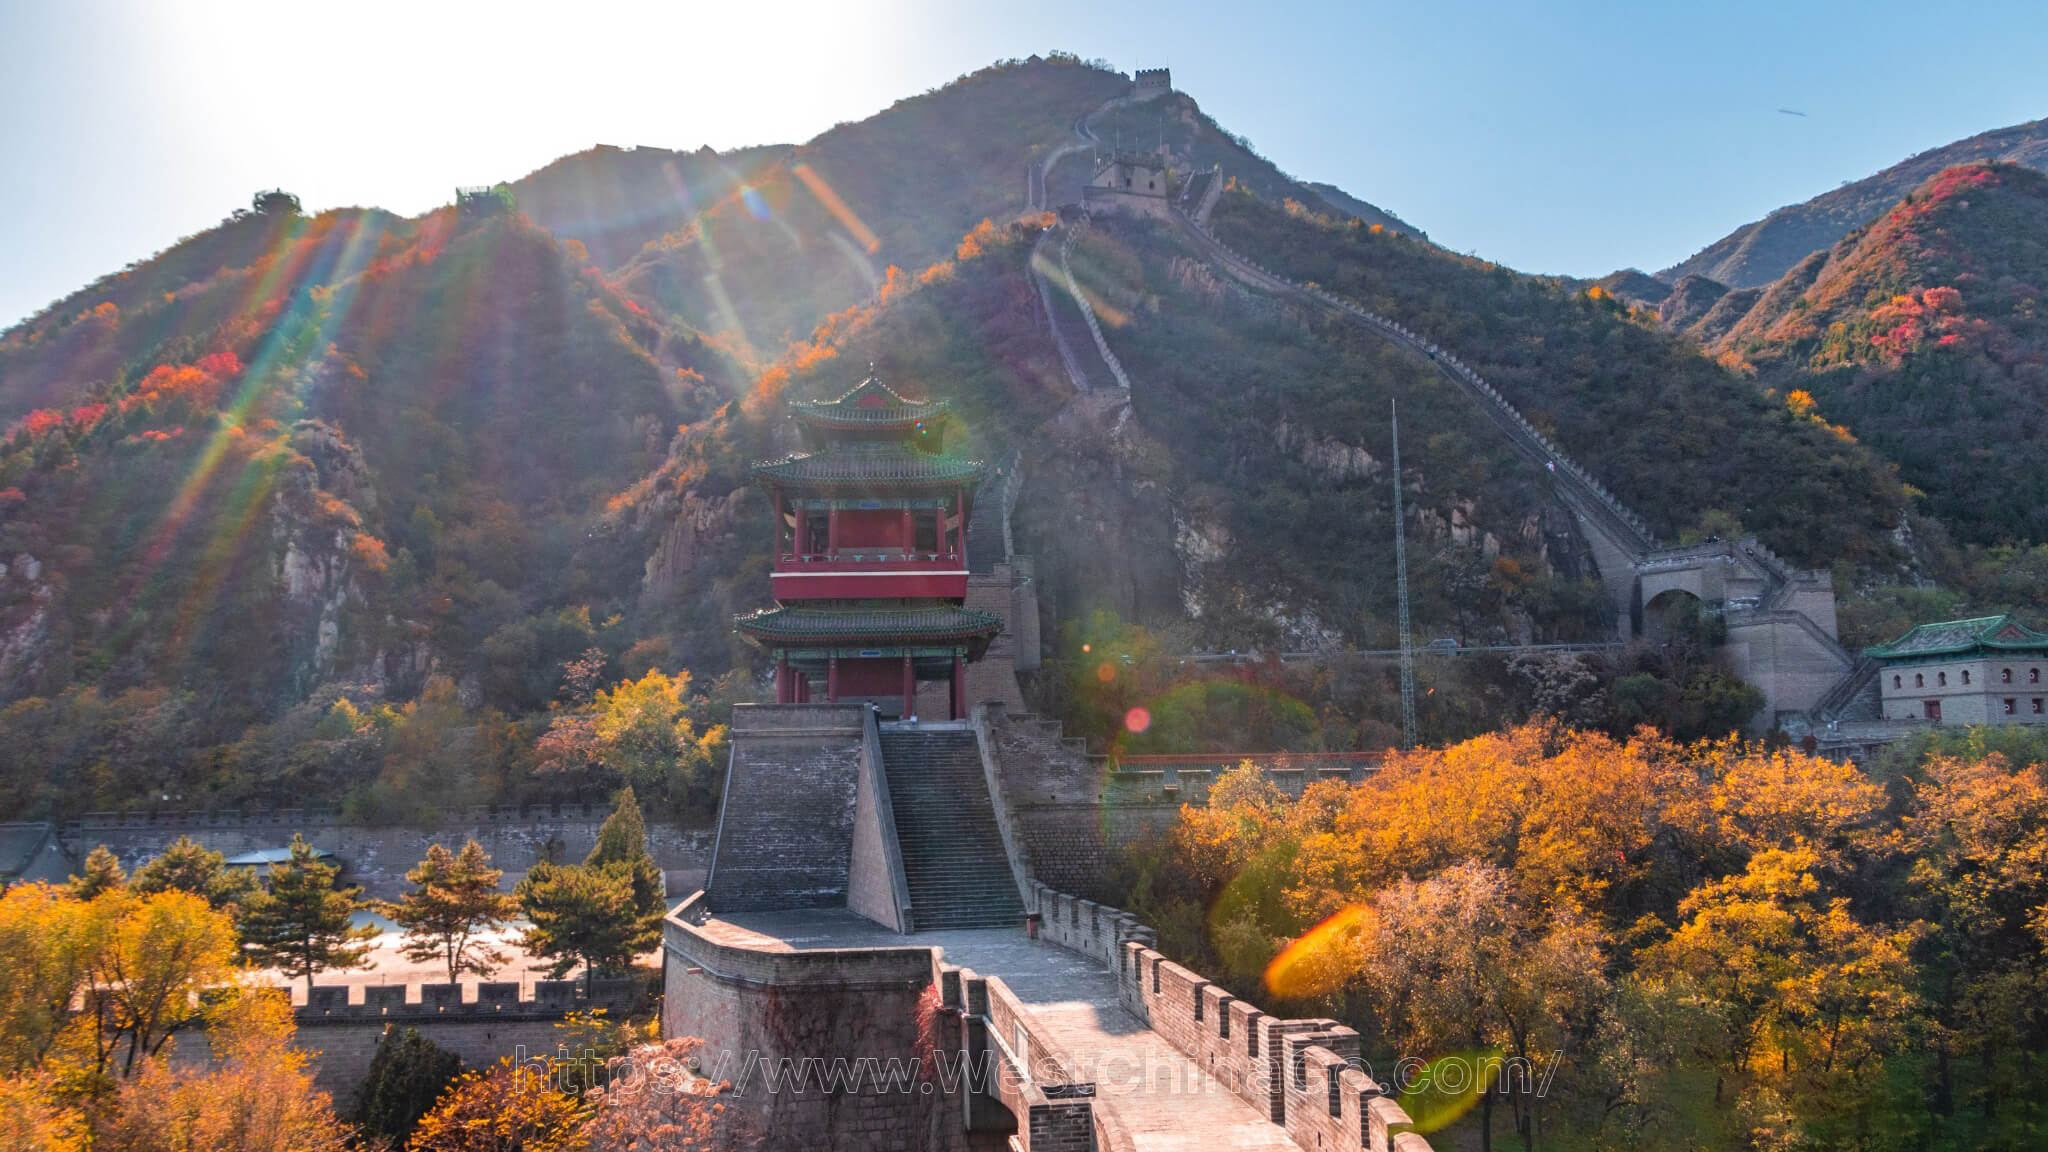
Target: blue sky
<point>1554,137</point>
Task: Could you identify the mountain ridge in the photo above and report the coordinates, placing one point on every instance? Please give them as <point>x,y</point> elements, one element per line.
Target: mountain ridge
<point>1763,250</point>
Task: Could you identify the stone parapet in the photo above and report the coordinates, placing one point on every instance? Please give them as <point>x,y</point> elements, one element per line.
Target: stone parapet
<point>1304,1074</point>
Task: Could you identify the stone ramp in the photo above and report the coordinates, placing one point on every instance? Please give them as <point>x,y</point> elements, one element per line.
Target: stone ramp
<point>953,856</point>
<point>785,829</point>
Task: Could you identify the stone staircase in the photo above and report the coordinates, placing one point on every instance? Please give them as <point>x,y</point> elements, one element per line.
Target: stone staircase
<point>953,856</point>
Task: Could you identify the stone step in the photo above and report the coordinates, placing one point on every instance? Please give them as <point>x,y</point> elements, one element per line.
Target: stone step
<point>953,855</point>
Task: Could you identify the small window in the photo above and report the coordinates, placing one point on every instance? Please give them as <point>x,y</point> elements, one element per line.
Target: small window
<point>1919,681</point>
<point>2037,705</point>
<point>1966,676</point>
<point>1941,678</point>
<point>2009,709</point>
<point>1895,682</point>
<point>2005,676</point>
<point>1931,709</point>
<point>2033,675</point>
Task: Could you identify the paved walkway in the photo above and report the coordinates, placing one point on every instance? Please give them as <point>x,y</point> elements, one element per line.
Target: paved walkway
<point>1147,1087</point>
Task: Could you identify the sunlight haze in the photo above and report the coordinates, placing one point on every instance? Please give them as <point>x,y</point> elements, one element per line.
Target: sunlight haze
<point>1571,139</point>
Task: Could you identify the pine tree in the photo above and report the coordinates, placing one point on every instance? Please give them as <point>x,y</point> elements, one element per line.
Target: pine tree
<point>621,851</point>
<point>579,914</point>
<point>301,923</point>
<point>187,866</point>
<point>454,899</point>
<point>102,873</point>
<point>407,1075</point>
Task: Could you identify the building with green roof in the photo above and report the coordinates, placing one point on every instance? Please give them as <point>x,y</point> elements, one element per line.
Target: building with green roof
<point>1982,670</point>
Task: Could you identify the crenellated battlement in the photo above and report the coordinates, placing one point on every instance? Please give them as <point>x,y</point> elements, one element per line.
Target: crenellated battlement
<point>1305,1075</point>
<point>409,1003</point>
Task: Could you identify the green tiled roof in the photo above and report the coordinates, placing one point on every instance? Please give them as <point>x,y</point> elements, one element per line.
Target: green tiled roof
<point>942,622</point>
<point>1954,637</point>
<point>870,402</point>
<point>863,464</point>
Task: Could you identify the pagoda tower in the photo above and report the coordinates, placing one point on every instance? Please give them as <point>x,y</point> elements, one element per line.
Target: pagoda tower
<point>870,570</point>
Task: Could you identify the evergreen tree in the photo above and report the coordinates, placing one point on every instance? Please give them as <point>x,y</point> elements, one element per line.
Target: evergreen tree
<point>454,899</point>
<point>621,850</point>
<point>188,866</point>
<point>301,922</point>
<point>580,915</point>
<point>102,873</point>
<point>624,833</point>
<point>407,1075</point>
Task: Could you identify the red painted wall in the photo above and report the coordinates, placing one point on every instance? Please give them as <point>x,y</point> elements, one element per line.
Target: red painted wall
<point>790,586</point>
<point>883,677</point>
<point>864,528</point>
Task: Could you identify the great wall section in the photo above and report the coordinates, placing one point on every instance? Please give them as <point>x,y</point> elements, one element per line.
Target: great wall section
<point>857,933</point>
<point>1780,627</point>
<point>893,956</point>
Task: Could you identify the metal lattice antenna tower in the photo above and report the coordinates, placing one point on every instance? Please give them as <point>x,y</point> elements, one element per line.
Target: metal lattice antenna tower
<point>1401,583</point>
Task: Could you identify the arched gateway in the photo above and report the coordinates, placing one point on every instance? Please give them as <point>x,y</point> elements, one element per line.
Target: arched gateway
<point>870,571</point>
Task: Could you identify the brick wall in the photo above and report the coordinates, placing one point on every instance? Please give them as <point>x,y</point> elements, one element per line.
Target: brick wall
<point>785,836</point>
<point>378,856</point>
<point>481,1023</point>
<point>1303,1074</point>
<point>994,676</point>
<point>757,1008</point>
<point>1048,1105</point>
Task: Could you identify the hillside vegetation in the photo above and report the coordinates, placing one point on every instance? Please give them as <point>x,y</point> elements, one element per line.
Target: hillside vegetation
<point>1758,253</point>
<point>818,230</point>
<point>1923,334</point>
<point>616,201</point>
<point>1689,445</point>
<point>1689,947</point>
<point>366,461</point>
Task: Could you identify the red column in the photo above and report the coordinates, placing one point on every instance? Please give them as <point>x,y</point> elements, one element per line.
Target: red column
<point>909,687</point>
<point>803,543</point>
<point>959,692</point>
<point>778,527</point>
<point>832,533</point>
<point>960,532</point>
<point>831,679</point>
<point>785,688</point>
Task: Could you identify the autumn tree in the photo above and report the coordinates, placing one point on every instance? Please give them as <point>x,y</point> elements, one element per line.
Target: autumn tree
<point>506,1108</point>
<point>255,1094</point>
<point>155,955</point>
<point>301,923</point>
<point>49,947</point>
<point>34,1117</point>
<point>453,901</point>
<point>1780,986</point>
<point>643,732</point>
<point>1455,964</point>
<point>1978,830</point>
<point>664,1106</point>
